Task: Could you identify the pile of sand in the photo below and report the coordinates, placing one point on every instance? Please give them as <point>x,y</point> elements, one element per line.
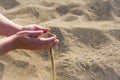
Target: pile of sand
<point>89,34</point>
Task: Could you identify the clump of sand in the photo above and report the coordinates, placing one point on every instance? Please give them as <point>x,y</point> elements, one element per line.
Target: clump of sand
<point>89,34</point>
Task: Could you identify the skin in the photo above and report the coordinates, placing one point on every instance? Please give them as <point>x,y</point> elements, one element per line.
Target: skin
<point>26,37</point>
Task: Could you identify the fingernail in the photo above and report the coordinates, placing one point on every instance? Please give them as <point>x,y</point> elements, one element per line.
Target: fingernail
<point>57,41</point>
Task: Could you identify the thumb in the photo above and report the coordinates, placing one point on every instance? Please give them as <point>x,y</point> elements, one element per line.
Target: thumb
<point>35,34</point>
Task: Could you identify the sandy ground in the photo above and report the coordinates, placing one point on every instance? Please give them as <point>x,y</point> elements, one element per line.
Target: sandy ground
<point>89,34</point>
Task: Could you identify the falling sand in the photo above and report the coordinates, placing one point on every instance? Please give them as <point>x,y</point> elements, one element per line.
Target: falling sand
<point>53,63</point>
<point>89,40</point>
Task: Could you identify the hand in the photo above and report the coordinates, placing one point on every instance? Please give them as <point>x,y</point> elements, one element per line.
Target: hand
<point>27,40</point>
<point>34,27</point>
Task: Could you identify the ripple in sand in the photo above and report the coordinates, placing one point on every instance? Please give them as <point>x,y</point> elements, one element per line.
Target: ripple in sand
<point>8,4</point>
<point>21,64</point>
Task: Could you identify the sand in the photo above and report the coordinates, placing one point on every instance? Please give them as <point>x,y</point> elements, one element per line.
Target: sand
<point>89,34</point>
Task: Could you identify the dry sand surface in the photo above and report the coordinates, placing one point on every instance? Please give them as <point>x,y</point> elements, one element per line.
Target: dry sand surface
<point>89,34</point>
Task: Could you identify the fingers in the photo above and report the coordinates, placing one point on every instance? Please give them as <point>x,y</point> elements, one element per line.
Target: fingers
<point>33,34</point>
<point>47,40</point>
<point>44,43</point>
<point>51,35</point>
<point>34,43</point>
<point>43,40</point>
<point>37,27</point>
<point>46,46</point>
<point>50,45</point>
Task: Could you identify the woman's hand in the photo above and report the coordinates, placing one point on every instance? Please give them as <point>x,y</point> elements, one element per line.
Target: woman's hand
<point>34,27</point>
<point>28,40</point>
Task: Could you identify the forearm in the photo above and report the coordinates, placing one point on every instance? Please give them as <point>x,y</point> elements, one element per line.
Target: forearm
<point>6,44</point>
<point>8,27</point>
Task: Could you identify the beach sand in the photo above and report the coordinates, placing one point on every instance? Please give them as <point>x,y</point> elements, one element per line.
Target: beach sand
<point>89,34</point>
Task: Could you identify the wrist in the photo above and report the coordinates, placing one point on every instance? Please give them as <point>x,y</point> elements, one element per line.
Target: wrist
<point>6,44</point>
<point>10,43</point>
<point>12,40</point>
<point>17,28</point>
<point>11,30</point>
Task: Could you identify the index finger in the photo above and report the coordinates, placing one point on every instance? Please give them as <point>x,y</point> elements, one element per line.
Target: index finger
<point>41,41</point>
<point>37,27</point>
